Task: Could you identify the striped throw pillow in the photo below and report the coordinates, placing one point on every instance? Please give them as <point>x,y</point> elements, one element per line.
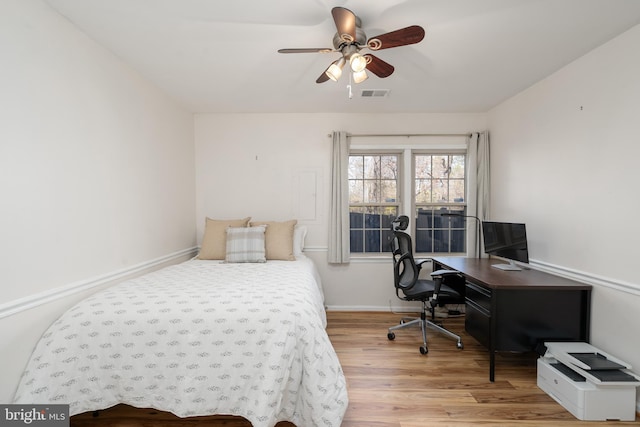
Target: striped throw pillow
<point>246,244</point>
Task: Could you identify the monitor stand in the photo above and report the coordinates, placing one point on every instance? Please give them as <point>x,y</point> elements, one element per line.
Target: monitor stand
<point>507,267</point>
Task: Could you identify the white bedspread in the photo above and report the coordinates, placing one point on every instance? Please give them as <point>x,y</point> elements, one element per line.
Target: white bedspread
<point>198,338</point>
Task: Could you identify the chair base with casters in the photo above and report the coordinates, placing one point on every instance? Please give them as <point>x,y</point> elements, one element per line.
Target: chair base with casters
<point>424,324</point>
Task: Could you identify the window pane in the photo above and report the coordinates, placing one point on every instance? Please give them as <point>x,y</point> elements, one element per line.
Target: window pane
<point>441,241</point>
<point>423,167</point>
<point>458,240</point>
<point>441,167</point>
<point>424,242</point>
<point>453,221</point>
<point>387,235</point>
<point>389,213</point>
<point>423,190</point>
<point>441,191</point>
<point>372,241</point>
<point>389,167</point>
<point>425,218</point>
<point>457,167</point>
<point>440,234</point>
<point>356,243</point>
<point>371,167</point>
<point>356,191</point>
<point>356,218</point>
<point>372,219</point>
<point>372,191</point>
<point>356,166</point>
<point>389,191</point>
<point>456,190</point>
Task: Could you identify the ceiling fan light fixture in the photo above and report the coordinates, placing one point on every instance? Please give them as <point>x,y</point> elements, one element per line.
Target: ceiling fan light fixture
<point>335,70</point>
<point>360,76</point>
<point>358,62</point>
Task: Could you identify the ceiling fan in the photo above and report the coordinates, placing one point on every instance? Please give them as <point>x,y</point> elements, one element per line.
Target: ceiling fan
<point>350,39</point>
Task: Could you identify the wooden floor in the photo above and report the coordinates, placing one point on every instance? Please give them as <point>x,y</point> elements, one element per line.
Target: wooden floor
<point>392,385</point>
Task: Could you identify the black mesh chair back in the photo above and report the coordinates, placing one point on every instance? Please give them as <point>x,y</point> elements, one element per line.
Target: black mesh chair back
<point>405,270</point>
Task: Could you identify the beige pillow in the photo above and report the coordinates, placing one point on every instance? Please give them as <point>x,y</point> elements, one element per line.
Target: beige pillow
<point>278,239</point>
<point>214,242</point>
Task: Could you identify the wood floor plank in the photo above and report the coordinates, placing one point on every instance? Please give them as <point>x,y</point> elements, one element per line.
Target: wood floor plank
<point>392,385</point>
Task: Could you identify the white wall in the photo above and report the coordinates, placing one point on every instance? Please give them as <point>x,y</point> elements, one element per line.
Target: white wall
<point>96,171</point>
<point>277,166</point>
<point>564,159</point>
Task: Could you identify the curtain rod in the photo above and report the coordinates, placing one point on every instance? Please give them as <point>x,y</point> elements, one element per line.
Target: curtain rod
<point>407,135</point>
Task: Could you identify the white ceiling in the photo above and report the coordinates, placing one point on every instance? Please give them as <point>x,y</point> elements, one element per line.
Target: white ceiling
<point>221,56</point>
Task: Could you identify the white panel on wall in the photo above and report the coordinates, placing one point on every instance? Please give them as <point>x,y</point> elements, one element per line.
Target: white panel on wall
<point>306,192</point>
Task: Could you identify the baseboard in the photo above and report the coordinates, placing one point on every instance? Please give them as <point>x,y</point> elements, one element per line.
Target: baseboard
<point>31,301</point>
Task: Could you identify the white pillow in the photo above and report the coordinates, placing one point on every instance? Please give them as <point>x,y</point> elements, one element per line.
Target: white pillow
<point>299,234</point>
<point>246,244</point>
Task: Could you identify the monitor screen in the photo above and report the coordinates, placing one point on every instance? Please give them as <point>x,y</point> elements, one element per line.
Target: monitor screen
<point>507,240</point>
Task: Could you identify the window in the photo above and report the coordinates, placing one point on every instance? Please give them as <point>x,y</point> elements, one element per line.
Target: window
<point>377,195</point>
<point>373,200</point>
<point>439,187</point>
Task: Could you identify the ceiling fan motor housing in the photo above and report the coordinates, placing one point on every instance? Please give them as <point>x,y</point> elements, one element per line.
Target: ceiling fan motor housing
<point>339,40</point>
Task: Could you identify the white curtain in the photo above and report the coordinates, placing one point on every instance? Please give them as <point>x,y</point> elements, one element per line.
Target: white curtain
<point>338,252</point>
<point>479,192</point>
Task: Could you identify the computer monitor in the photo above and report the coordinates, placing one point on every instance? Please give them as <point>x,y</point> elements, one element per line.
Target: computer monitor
<point>507,240</point>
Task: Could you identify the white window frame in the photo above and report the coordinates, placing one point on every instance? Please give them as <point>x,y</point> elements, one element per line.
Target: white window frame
<point>434,145</point>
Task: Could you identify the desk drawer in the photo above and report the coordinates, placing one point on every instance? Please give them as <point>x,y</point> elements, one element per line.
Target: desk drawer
<point>479,296</point>
<point>477,323</point>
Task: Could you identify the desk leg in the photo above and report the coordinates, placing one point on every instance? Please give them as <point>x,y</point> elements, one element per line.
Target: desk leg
<point>492,366</point>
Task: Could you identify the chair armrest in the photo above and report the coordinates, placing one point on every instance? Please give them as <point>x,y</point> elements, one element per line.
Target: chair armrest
<point>420,261</point>
<point>443,273</point>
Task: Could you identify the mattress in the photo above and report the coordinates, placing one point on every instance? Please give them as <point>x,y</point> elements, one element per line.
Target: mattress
<point>197,338</point>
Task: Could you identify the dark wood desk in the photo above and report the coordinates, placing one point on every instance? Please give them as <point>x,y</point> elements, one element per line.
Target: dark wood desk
<point>517,311</point>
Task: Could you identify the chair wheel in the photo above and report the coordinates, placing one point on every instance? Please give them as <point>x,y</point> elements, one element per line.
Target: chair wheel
<point>459,345</point>
<point>391,336</point>
<point>423,350</point>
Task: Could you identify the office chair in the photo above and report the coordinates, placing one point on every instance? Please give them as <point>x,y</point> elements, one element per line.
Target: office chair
<point>446,286</point>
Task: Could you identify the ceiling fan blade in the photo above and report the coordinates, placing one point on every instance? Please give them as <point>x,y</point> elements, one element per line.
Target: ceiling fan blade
<point>402,37</point>
<point>345,23</point>
<point>307,50</point>
<point>379,67</point>
<point>324,77</point>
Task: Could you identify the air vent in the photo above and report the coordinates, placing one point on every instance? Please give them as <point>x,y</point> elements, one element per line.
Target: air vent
<point>375,93</point>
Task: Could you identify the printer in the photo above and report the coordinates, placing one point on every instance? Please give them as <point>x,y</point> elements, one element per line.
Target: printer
<point>588,382</point>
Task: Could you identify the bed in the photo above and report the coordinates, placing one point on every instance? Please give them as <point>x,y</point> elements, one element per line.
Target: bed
<point>203,337</point>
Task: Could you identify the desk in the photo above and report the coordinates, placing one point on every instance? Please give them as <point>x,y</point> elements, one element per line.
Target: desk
<point>517,311</point>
